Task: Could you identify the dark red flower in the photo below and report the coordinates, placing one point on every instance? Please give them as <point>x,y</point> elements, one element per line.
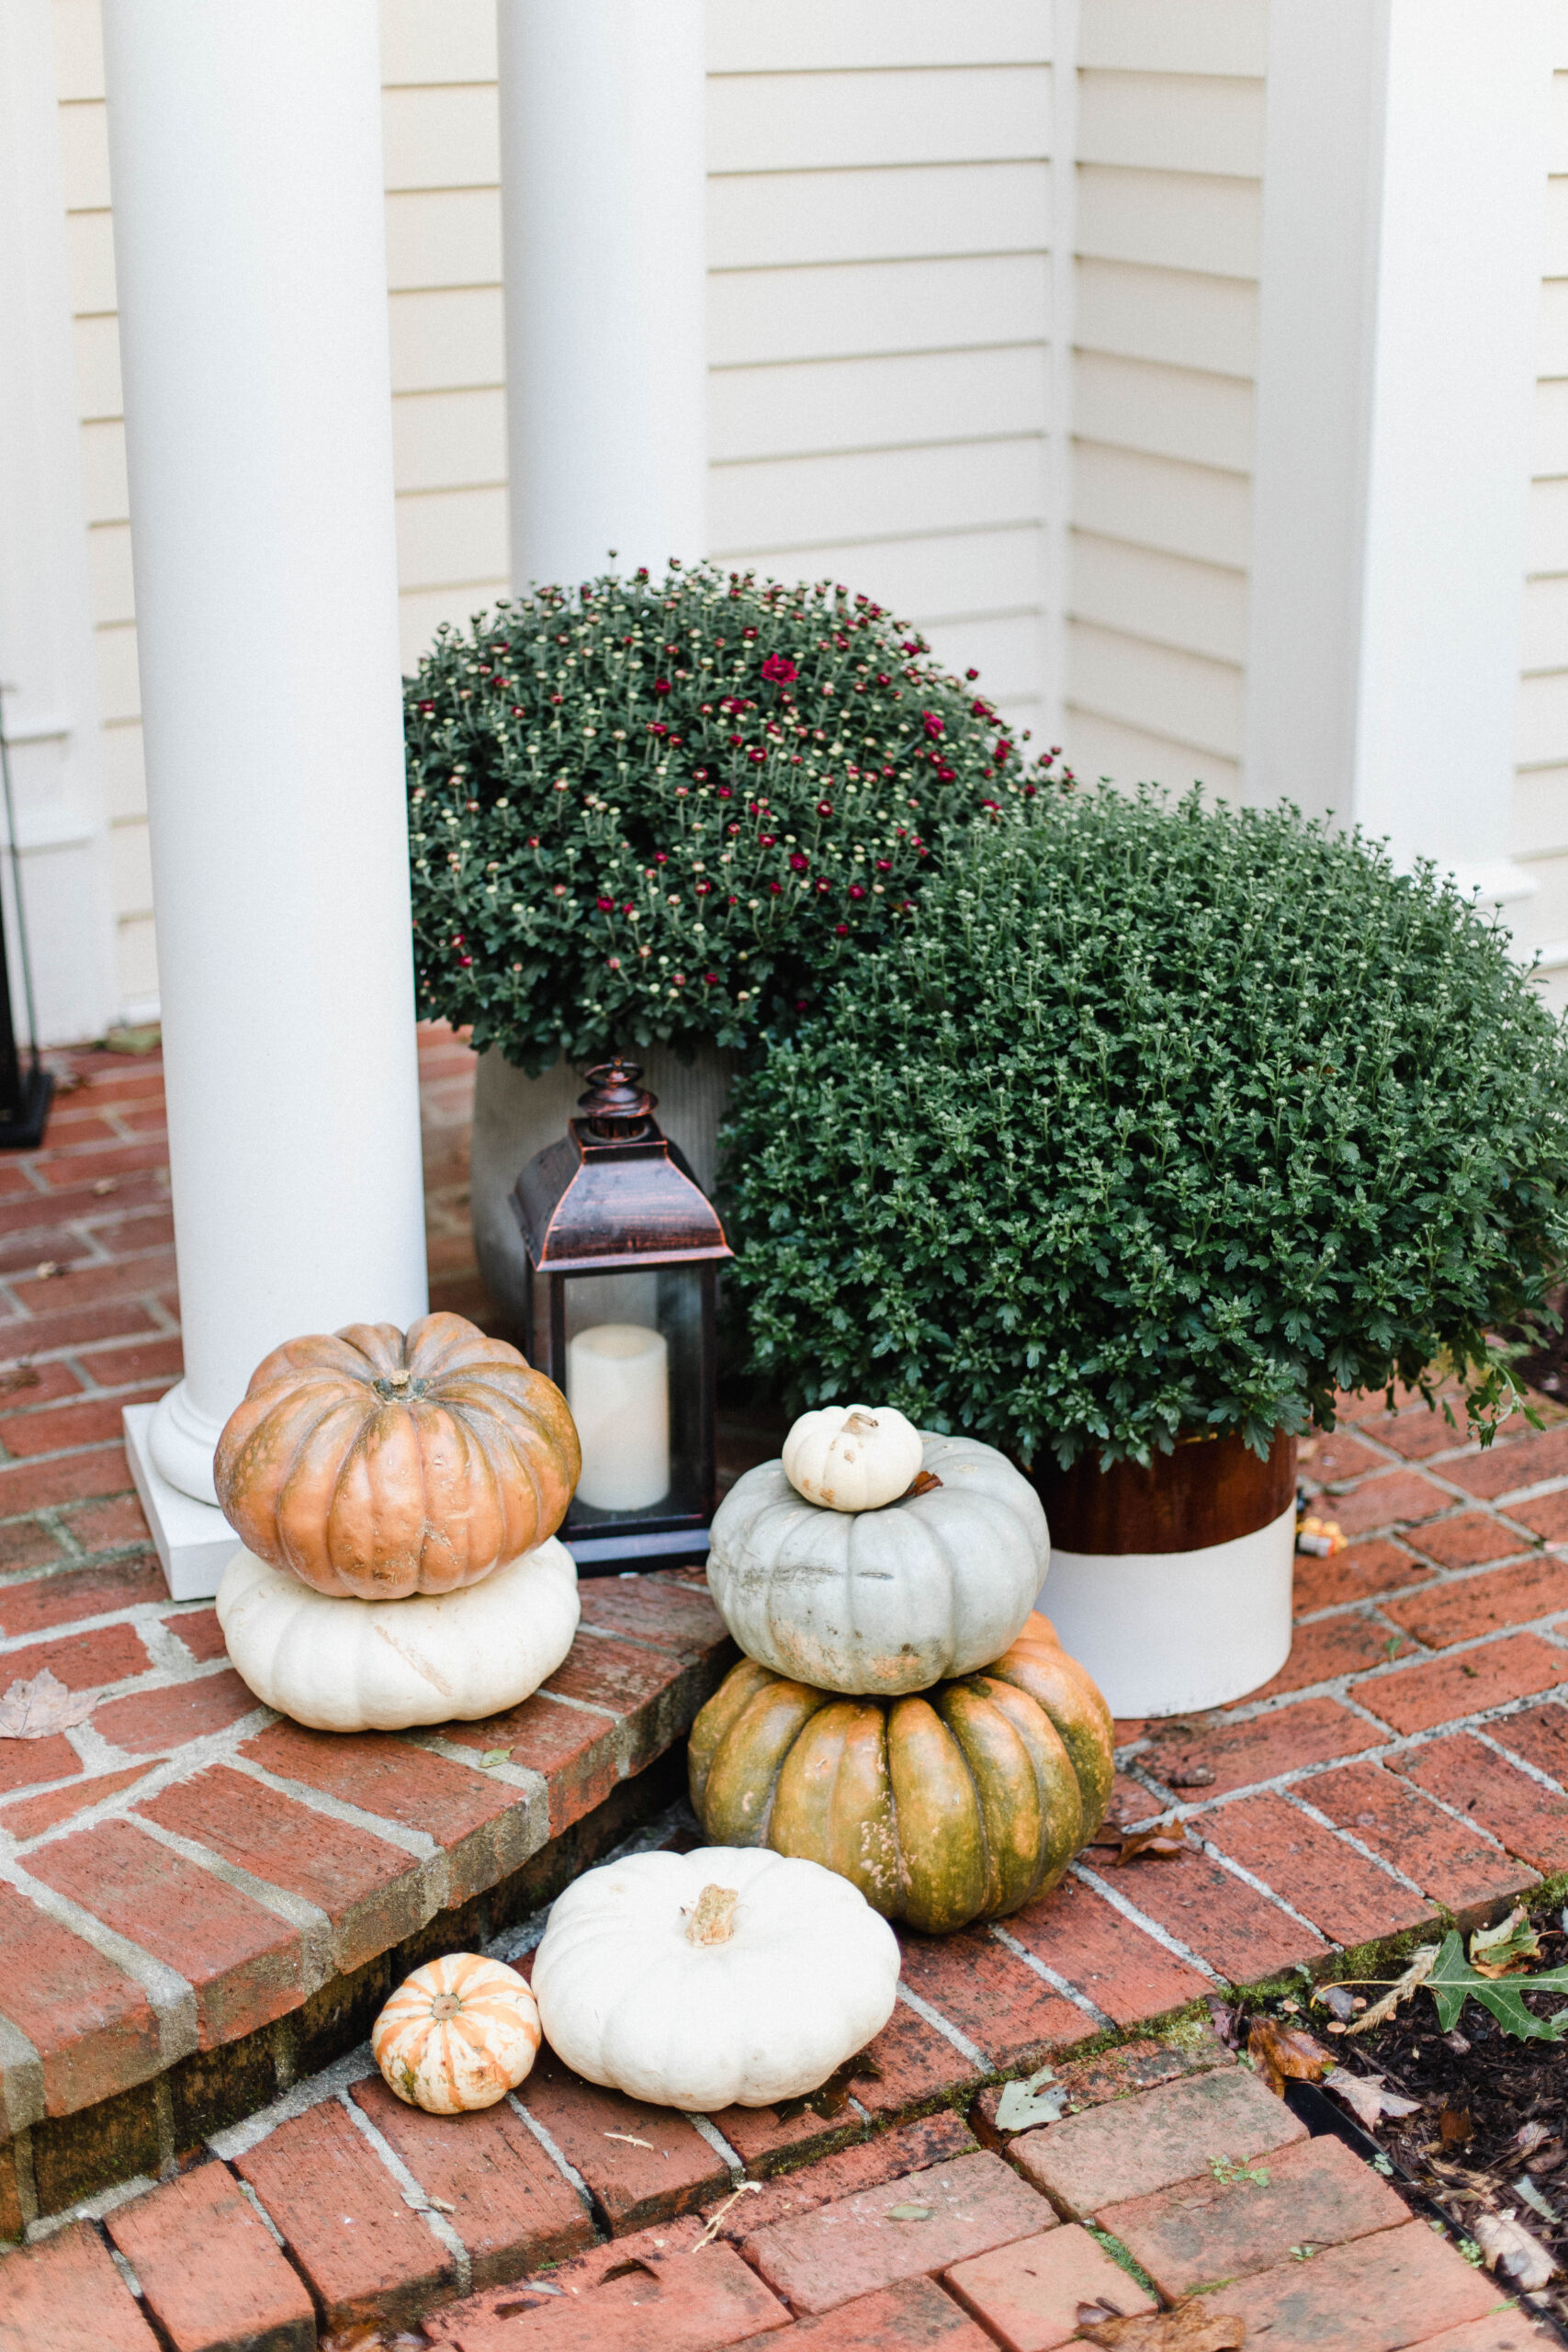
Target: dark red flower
<point>725,792</point>
<point>518,711</point>
<point>979,710</point>
<point>933,724</point>
<point>798,863</point>
<point>710,979</point>
<point>1003,752</point>
<point>657,727</point>
<point>767,840</point>
<point>776,889</point>
<point>778,669</point>
<point>465,961</point>
<point>823,885</point>
<point>747,632</point>
<point>841,931</point>
<point>605,906</point>
<point>824,807</point>
<point>427,706</point>
<point>945,776</point>
<point>912,647</point>
<point>756,757</point>
<point>629,908</point>
<point>662,686</point>
<point>971,676</point>
<point>661,857</point>
<point>885,865</point>
<point>857,889</point>
<point>1028,792</point>
<point>702,889</point>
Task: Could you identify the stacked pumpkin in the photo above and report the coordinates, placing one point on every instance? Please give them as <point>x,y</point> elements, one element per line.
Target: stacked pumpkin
<point>902,1715</point>
<point>398,1496</point>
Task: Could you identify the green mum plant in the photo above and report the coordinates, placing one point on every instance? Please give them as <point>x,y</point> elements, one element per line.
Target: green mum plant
<point>675,809</point>
<point>1158,1120</point>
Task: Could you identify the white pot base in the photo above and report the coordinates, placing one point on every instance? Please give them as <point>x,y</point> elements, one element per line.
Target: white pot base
<point>1170,1633</point>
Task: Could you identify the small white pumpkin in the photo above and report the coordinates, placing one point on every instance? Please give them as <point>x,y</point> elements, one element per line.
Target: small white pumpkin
<point>730,1976</point>
<point>458,2033</point>
<point>347,1665</point>
<point>879,1603</point>
<point>852,1457</point>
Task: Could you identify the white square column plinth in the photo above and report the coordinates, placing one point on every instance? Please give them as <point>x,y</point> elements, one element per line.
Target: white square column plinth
<point>194,1540</point>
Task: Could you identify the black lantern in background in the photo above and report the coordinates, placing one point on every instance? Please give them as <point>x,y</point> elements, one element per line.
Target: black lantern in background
<point>623,1247</point>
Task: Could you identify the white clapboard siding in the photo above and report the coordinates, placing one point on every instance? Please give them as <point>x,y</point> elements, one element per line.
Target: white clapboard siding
<point>98,369</point>
<point>109,580</point>
<point>125,776</point>
<point>105,492</point>
<point>933,582</point>
<point>448,339</point>
<point>1540,817</point>
<point>800,122</point>
<point>443,237</point>
<point>877,494</point>
<point>1164,412</point>
<point>440,41</point>
<point>756,37</point>
<point>903,212</point>
<point>1165,320</point>
<point>1129,756</point>
<point>1153,36</point>
<point>449,440</point>
<point>1194,608</point>
<point>1171,122</point>
<point>876,404</point>
<point>780,314</point>
<point>1190,220</point>
<point>441,138</point>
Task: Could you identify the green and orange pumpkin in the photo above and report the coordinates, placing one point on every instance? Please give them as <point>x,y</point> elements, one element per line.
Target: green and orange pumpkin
<point>959,1803</point>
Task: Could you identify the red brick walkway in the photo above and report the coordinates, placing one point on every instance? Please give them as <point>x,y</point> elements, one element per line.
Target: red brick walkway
<point>1414,1754</point>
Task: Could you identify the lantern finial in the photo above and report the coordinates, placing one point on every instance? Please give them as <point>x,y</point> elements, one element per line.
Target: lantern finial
<point>618,1107</point>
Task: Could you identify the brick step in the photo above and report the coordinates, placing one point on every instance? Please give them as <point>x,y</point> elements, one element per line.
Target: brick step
<point>201,1903</point>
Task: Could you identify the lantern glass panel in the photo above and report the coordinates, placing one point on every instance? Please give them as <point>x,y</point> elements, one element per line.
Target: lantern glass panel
<point>634,1381</point>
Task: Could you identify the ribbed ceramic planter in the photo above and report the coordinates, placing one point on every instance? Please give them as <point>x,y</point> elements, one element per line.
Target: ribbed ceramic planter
<point>1173,1584</point>
<point>515,1116</point>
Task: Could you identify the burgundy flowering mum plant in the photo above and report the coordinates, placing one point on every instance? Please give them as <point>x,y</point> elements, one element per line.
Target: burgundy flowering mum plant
<point>676,809</point>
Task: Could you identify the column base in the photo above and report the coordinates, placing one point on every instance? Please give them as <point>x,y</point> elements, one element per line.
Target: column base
<point>194,1540</point>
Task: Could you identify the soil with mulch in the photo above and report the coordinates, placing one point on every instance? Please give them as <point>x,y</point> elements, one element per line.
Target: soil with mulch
<point>1490,2133</point>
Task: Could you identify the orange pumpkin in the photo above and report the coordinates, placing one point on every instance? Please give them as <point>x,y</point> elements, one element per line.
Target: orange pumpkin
<point>458,2033</point>
<point>376,1465</point>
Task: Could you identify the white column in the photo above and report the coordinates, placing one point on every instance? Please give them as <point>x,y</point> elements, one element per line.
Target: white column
<point>245,154</point>
<point>46,633</point>
<point>602,197</point>
<point>1404,180</point>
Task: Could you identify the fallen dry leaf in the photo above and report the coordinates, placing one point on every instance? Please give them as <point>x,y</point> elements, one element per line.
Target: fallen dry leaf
<point>1366,2097</point>
<point>1188,1776</point>
<point>19,1375</point>
<point>1506,1949</point>
<point>1277,2050</point>
<point>1191,2327</point>
<point>711,2227</point>
<point>1023,2105</point>
<point>1455,2126</point>
<point>1337,2000</point>
<point>1510,2248</point>
<point>910,2212</point>
<point>1420,1968</point>
<point>1531,2135</point>
<point>1156,1845</point>
<point>922,1483</point>
<point>32,1710</point>
<point>628,2140</point>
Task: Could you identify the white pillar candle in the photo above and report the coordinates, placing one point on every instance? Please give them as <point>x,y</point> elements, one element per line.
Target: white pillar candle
<point>617,1384</point>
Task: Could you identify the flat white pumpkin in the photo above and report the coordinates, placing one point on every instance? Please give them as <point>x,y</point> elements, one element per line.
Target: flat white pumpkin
<point>879,1603</point>
<point>457,2034</point>
<point>347,1665</point>
<point>730,1976</point>
<point>852,1457</point>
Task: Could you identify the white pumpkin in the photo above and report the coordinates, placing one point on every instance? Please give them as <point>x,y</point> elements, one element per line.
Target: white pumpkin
<point>730,1976</point>
<point>882,1603</point>
<point>457,2034</point>
<point>852,1457</point>
<point>339,1664</point>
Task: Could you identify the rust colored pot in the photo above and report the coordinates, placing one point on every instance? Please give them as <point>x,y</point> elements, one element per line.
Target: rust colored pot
<point>1210,1491</point>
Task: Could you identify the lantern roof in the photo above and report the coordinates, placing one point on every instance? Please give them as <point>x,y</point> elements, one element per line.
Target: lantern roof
<point>615,1193</point>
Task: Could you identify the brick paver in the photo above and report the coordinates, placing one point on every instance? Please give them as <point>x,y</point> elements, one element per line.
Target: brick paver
<point>1028,2295</point>
<point>67,2294</point>
<point>658,2165</point>
<point>211,2272</point>
<point>1314,2193</point>
<point>1134,2147</point>
<point>1374,2295</point>
<point>907,2229</point>
<point>913,2317</point>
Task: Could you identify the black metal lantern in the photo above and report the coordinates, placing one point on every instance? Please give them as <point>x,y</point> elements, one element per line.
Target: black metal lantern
<point>623,1247</point>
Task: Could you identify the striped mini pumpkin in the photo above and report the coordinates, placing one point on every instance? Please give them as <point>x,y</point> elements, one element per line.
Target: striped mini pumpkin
<point>460,2033</point>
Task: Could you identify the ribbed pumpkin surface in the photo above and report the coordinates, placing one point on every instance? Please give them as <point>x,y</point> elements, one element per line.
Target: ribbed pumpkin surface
<point>459,2033</point>
<point>376,1465</point>
<point>955,1803</point>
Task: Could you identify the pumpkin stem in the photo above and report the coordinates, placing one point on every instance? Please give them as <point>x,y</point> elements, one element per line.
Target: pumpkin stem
<point>713,1916</point>
<point>444,2006</point>
<point>400,1379</point>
